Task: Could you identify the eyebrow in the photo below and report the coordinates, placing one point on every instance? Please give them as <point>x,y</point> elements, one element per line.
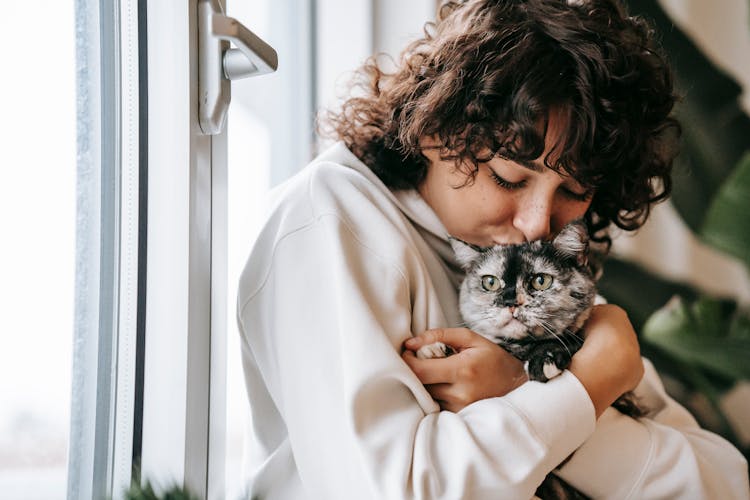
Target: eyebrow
<point>529,164</point>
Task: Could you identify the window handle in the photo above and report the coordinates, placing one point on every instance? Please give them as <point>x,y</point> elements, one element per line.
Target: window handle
<point>253,57</point>
<point>219,64</point>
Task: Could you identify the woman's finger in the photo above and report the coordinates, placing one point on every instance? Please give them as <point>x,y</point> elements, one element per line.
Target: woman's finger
<point>440,392</point>
<point>431,371</point>
<point>458,338</point>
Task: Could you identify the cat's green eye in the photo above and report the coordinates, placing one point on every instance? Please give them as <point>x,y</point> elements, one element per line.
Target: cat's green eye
<point>541,281</point>
<point>490,283</point>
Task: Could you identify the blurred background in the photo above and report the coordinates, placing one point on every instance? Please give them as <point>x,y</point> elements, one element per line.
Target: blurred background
<point>696,247</point>
<point>684,276</point>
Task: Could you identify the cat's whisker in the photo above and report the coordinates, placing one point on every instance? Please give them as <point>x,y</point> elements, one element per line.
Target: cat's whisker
<point>574,335</point>
<point>549,330</point>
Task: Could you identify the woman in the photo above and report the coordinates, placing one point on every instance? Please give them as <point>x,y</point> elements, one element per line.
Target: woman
<point>506,121</point>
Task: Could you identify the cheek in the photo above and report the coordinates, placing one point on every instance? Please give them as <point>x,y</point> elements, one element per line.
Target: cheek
<point>478,211</point>
<point>568,211</point>
<point>494,208</point>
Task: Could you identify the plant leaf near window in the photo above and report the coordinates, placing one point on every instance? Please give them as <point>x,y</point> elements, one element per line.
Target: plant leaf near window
<point>710,334</point>
<point>147,492</point>
<point>727,222</point>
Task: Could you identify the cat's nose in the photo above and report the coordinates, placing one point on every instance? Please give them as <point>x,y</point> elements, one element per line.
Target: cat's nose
<point>509,298</point>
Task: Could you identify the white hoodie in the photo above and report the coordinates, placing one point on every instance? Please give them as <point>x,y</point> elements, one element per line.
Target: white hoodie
<point>342,273</point>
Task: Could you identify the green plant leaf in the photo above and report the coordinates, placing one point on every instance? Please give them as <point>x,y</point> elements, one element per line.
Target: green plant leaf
<point>709,334</point>
<point>147,492</point>
<point>727,223</point>
<point>638,291</point>
<point>740,327</point>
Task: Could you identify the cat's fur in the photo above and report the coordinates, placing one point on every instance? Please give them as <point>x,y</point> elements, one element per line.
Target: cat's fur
<point>538,325</point>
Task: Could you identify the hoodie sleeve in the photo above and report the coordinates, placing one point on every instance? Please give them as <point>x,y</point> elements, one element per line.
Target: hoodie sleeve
<point>666,455</point>
<point>324,315</point>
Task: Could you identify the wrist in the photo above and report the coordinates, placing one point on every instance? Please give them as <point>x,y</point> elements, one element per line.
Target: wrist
<point>604,381</point>
<point>609,363</point>
<point>600,390</point>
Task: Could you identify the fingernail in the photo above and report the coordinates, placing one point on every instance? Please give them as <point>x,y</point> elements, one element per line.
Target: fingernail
<point>411,342</point>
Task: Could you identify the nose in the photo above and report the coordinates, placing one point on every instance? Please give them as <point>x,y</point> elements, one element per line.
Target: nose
<point>534,217</point>
<point>508,297</point>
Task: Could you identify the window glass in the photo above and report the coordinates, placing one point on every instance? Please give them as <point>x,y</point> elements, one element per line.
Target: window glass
<point>37,257</point>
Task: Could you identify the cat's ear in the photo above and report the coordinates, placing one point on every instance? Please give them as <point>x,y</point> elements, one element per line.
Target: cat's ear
<point>466,253</point>
<point>573,241</point>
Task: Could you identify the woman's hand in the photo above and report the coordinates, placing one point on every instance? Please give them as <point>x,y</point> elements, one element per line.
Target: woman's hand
<point>478,370</point>
<point>609,362</point>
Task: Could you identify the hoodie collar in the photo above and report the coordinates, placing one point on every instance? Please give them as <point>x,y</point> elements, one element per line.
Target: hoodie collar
<point>409,201</point>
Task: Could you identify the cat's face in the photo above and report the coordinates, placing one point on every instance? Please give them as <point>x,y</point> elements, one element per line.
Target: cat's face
<point>538,288</point>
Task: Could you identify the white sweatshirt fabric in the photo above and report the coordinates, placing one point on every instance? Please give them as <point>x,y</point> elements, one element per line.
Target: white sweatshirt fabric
<point>345,270</point>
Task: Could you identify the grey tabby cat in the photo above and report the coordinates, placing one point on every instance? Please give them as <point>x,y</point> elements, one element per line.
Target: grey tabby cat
<point>532,299</point>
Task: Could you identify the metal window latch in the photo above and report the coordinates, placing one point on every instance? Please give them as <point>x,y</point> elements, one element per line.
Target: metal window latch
<point>218,64</point>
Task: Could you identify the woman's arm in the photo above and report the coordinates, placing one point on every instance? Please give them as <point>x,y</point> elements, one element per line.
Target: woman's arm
<point>479,369</point>
<point>608,364</point>
<point>665,455</point>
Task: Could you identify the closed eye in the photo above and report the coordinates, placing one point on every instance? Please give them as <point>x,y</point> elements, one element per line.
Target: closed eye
<point>574,195</point>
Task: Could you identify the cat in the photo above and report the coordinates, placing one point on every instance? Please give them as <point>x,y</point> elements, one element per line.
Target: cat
<point>532,299</point>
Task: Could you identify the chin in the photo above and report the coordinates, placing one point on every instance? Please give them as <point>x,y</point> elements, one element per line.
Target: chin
<point>514,329</point>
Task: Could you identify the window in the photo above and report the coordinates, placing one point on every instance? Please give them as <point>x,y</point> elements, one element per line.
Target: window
<point>107,248</point>
<point>37,257</point>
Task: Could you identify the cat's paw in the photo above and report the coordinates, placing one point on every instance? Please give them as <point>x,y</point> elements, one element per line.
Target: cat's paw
<point>546,364</point>
<point>548,371</point>
<point>541,370</point>
<point>436,350</point>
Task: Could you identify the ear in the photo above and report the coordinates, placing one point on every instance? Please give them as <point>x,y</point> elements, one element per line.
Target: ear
<point>573,241</point>
<point>466,253</point>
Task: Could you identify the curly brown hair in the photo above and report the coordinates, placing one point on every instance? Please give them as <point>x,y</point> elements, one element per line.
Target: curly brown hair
<point>487,73</point>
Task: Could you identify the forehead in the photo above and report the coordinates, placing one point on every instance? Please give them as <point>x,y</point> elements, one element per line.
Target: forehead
<point>561,153</point>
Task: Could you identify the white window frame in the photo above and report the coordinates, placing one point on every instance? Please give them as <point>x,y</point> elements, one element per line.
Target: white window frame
<point>183,399</point>
<point>100,452</point>
<point>149,354</point>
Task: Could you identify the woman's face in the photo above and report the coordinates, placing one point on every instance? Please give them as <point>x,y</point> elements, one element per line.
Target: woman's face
<point>507,202</point>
